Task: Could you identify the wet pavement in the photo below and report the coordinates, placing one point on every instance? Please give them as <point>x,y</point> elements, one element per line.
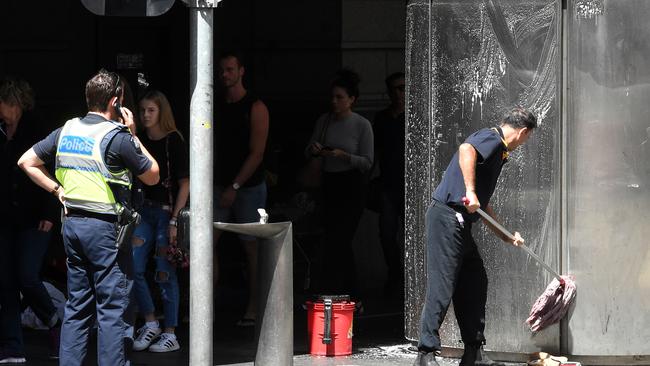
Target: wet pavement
<point>378,341</point>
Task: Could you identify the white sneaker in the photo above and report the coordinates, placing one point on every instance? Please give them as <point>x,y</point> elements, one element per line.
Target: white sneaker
<point>166,343</point>
<point>12,360</point>
<point>145,337</point>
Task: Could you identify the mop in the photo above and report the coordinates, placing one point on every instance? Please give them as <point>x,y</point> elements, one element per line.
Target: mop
<point>553,304</point>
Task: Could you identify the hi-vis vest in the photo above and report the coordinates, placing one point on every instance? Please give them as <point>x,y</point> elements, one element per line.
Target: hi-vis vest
<point>81,170</point>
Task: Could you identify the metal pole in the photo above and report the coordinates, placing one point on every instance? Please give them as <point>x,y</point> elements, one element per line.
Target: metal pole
<point>201,152</point>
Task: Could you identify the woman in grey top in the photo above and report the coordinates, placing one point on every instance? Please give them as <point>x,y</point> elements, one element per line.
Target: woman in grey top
<point>343,140</point>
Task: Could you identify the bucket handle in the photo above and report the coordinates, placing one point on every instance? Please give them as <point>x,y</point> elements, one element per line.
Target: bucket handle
<point>327,339</point>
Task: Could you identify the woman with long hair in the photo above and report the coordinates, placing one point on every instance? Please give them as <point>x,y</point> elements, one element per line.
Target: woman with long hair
<point>157,230</point>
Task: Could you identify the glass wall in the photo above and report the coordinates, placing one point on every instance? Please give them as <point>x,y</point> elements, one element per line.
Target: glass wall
<point>578,191</point>
<point>608,176</point>
<point>469,62</point>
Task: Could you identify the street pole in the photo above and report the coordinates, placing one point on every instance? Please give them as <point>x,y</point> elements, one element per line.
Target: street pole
<point>201,155</point>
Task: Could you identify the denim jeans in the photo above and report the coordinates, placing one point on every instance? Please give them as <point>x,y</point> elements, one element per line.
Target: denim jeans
<point>22,254</point>
<point>152,232</point>
<point>244,209</point>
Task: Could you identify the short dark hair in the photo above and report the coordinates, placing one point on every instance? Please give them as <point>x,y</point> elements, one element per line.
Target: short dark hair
<point>393,77</point>
<point>349,80</point>
<point>520,117</point>
<point>101,88</point>
<point>17,91</point>
<point>237,55</point>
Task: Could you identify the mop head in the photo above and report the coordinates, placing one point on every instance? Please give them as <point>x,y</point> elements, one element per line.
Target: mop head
<point>553,304</point>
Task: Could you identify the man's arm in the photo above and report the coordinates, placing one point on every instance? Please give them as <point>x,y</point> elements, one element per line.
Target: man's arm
<point>34,167</point>
<point>152,175</point>
<point>467,158</point>
<point>257,142</point>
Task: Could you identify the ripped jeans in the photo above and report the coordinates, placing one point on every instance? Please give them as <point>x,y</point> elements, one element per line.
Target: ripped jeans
<point>152,232</point>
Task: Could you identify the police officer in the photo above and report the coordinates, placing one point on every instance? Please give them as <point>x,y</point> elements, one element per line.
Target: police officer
<point>95,159</point>
<point>455,270</point>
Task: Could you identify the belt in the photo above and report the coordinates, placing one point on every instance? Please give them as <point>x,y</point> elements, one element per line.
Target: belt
<point>162,206</point>
<point>458,208</point>
<point>74,212</point>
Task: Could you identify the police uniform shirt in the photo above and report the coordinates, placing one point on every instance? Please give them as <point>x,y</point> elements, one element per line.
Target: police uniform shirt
<point>491,155</point>
<point>122,151</point>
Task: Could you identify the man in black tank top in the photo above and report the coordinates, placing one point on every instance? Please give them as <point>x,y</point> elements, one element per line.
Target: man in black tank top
<point>241,130</point>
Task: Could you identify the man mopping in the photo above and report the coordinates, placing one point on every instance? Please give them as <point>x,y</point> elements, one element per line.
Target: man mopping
<point>455,270</point>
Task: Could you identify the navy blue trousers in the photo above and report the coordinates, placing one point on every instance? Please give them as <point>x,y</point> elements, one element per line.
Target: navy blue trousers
<point>455,271</point>
<point>100,277</point>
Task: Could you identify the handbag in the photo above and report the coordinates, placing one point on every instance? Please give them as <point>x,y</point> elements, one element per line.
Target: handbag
<point>310,175</point>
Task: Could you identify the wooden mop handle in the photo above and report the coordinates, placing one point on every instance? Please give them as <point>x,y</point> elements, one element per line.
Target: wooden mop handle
<point>512,237</point>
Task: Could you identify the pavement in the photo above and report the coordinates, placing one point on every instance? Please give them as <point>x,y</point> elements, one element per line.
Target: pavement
<point>378,341</point>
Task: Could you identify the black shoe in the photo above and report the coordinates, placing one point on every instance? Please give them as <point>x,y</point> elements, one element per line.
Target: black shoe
<point>475,356</point>
<point>426,359</point>
<point>54,342</point>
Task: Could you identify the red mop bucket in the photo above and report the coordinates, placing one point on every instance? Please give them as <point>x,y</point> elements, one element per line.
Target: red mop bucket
<point>329,325</point>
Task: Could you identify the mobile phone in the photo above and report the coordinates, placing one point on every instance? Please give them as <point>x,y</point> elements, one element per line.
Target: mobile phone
<point>118,109</point>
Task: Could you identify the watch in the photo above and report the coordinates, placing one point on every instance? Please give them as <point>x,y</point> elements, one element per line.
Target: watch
<point>236,186</point>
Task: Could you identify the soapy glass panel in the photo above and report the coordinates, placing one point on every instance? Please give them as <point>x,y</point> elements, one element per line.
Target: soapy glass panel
<point>608,179</point>
<point>480,59</point>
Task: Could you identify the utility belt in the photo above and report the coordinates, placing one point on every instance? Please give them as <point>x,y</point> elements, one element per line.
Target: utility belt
<point>156,204</point>
<point>125,222</point>
<point>128,219</point>
<point>75,212</point>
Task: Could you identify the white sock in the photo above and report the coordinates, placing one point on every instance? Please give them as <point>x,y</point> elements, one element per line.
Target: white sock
<point>153,325</point>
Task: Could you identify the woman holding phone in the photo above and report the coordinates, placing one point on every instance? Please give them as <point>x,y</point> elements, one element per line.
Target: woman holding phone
<point>343,140</point>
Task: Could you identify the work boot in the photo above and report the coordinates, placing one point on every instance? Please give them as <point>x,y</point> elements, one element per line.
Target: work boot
<point>475,356</point>
<point>426,359</point>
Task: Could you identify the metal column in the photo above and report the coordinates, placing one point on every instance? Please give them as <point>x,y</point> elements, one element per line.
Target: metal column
<point>201,154</point>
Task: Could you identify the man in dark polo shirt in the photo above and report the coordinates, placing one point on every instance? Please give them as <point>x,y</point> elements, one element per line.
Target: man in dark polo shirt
<point>455,270</point>
<point>96,158</point>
